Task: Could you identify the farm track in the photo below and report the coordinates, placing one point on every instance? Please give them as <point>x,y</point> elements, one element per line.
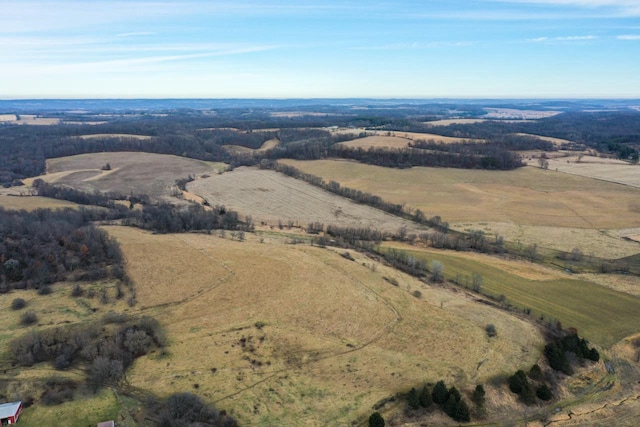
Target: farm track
<point>331,354</point>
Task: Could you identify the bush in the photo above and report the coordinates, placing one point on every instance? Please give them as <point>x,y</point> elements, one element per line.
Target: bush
<point>28,318</point>
<point>412,399</point>
<point>44,290</point>
<point>491,330</point>
<point>18,304</point>
<point>425,397</point>
<point>535,373</point>
<point>76,291</point>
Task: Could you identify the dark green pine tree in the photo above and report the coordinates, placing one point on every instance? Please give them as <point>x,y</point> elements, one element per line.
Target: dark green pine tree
<point>450,406</point>
<point>412,399</point>
<point>478,395</point>
<point>425,397</point>
<point>440,393</point>
<point>461,412</point>
<point>376,420</point>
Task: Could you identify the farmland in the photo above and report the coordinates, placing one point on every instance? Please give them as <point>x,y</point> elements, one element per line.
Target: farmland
<point>604,316</point>
<point>524,196</point>
<point>128,173</point>
<point>365,341</point>
<point>271,197</point>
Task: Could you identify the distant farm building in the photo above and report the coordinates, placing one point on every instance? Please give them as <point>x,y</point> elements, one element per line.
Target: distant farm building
<point>9,412</point>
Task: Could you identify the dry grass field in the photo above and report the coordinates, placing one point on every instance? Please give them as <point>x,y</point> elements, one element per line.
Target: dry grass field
<point>601,314</point>
<point>256,329</point>
<point>267,145</point>
<point>16,199</point>
<point>555,141</point>
<point>412,136</point>
<point>525,196</point>
<point>152,174</point>
<point>27,119</point>
<point>510,113</point>
<point>602,243</point>
<point>611,170</point>
<point>378,142</point>
<point>270,197</point>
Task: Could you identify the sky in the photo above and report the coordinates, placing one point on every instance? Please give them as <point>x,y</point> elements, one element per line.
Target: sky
<point>326,49</point>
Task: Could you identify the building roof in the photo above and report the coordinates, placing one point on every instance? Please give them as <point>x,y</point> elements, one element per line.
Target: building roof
<point>9,409</point>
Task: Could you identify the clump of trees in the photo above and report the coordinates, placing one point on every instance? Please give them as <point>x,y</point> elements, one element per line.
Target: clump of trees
<point>186,409</point>
<point>44,246</point>
<point>104,352</point>
<point>556,352</point>
<point>528,391</point>
<point>448,400</point>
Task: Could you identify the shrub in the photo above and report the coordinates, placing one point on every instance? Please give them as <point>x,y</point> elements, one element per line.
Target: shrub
<point>44,290</point>
<point>28,318</point>
<point>18,304</point>
<point>491,330</point>
<point>76,291</point>
<point>417,294</point>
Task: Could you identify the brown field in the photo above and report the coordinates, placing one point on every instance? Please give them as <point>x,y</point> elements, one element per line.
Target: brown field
<point>27,119</point>
<point>378,142</point>
<point>525,196</point>
<point>152,174</point>
<point>267,145</point>
<point>16,200</point>
<point>413,136</point>
<point>270,197</point>
<point>274,342</point>
<point>611,170</point>
<point>602,243</point>
<point>288,114</point>
<point>115,135</point>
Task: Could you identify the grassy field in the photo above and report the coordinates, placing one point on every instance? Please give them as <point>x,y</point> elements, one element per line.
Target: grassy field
<point>611,170</point>
<point>602,315</point>
<point>611,244</point>
<point>412,136</point>
<point>11,200</point>
<point>378,141</point>
<point>254,327</point>
<point>525,196</point>
<point>270,197</point>
<point>130,172</point>
<point>267,145</point>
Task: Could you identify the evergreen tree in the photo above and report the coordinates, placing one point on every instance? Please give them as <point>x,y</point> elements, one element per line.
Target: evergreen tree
<point>376,420</point>
<point>478,395</point>
<point>425,397</point>
<point>450,406</point>
<point>455,393</point>
<point>440,393</point>
<point>412,399</point>
<point>461,412</point>
<point>544,393</point>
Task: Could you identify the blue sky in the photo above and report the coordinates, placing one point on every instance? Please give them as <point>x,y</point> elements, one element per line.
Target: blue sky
<point>304,48</point>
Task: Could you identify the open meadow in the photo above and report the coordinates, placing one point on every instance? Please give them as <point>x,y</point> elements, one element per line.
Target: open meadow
<point>271,197</point>
<point>527,204</point>
<point>137,173</point>
<point>611,170</point>
<point>254,328</point>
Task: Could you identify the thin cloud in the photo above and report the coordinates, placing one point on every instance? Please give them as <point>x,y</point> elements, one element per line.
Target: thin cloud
<point>629,37</point>
<point>562,39</point>
<point>617,8</point>
<point>137,34</point>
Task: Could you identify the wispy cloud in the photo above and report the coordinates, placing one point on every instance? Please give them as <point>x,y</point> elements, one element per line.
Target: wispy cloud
<point>137,34</point>
<point>615,8</point>
<point>417,45</point>
<point>562,39</point>
<point>629,37</point>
